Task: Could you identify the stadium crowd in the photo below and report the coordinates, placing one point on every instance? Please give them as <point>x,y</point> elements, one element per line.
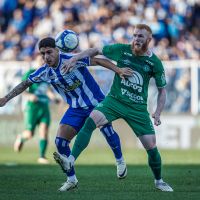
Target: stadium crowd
<point>175,25</point>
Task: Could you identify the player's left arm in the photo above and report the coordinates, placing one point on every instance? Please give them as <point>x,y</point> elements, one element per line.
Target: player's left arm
<point>122,72</point>
<point>15,91</point>
<point>159,76</point>
<point>161,99</point>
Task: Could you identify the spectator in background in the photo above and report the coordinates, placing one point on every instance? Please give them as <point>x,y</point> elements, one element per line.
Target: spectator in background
<point>175,25</point>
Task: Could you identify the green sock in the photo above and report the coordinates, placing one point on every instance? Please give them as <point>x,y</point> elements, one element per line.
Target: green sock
<point>154,160</point>
<point>43,147</point>
<point>83,137</point>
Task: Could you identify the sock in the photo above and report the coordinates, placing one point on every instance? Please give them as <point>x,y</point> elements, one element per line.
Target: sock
<point>63,148</point>
<point>154,160</point>
<point>43,146</point>
<point>113,140</point>
<point>83,137</point>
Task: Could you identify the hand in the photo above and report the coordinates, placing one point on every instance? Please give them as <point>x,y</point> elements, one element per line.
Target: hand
<point>125,72</point>
<point>68,66</point>
<point>156,117</point>
<point>3,101</point>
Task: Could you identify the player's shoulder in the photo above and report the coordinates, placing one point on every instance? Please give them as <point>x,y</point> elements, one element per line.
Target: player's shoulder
<point>155,59</point>
<point>117,45</point>
<point>64,55</point>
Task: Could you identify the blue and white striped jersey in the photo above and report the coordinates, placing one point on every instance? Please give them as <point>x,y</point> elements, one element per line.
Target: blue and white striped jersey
<point>78,88</point>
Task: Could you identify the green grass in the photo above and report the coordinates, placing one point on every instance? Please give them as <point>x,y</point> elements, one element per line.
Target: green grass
<point>21,178</point>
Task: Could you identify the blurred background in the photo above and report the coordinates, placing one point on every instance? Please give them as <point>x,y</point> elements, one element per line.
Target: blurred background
<point>176,30</point>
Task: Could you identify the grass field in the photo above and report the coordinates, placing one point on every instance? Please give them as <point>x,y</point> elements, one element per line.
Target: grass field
<point>22,179</point>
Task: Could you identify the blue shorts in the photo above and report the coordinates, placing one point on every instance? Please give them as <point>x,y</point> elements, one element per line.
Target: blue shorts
<point>76,117</point>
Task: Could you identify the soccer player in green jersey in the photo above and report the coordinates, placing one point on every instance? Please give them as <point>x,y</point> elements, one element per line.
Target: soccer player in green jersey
<point>36,112</point>
<point>127,99</point>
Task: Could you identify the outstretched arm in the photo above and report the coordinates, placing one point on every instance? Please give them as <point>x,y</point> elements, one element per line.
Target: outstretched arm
<point>70,64</point>
<point>160,105</point>
<point>122,72</point>
<point>16,91</point>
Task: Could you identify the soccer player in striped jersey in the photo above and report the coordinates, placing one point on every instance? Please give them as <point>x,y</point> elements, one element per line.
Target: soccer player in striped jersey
<point>79,89</point>
<point>127,99</point>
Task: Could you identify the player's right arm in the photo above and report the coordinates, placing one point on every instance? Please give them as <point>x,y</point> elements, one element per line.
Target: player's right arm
<point>71,63</point>
<point>15,91</point>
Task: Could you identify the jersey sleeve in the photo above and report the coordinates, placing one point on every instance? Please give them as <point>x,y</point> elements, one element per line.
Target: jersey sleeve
<point>26,75</point>
<point>84,62</point>
<point>159,75</point>
<point>38,76</point>
<point>113,51</point>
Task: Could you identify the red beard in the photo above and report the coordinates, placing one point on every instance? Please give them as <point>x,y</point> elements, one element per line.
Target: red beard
<point>141,50</point>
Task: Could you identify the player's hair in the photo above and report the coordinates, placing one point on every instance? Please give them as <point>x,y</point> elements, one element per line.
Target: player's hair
<point>144,26</point>
<point>47,42</point>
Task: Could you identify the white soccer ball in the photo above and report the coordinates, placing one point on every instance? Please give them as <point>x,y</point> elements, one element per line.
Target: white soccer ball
<point>67,40</point>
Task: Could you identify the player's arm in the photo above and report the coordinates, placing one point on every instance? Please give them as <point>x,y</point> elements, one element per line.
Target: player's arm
<point>70,64</point>
<point>16,91</point>
<point>161,99</point>
<point>122,72</point>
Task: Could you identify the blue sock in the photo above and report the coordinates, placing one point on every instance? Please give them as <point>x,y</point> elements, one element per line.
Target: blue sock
<point>112,139</point>
<point>63,148</point>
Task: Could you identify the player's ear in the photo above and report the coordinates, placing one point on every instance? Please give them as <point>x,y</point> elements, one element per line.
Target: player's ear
<point>149,39</point>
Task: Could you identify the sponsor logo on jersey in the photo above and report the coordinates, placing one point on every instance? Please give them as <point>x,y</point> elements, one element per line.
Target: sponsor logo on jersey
<point>163,79</point>
<point>126,62</point>
<point>36,79</point>
<point>135,82</point>
<point>128,54</point>
<point>149,63</point>
<point>134,97</point>
<point>71,87</point>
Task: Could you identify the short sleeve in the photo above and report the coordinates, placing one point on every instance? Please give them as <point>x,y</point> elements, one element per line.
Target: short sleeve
<point>159,75</point>
<point>38,75</point>
<point>113,51</point>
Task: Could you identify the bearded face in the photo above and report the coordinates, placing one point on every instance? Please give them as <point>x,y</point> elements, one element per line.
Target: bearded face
<point>141,39</point>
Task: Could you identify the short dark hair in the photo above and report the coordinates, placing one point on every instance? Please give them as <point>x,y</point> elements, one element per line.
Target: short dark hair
<point>47,42</point>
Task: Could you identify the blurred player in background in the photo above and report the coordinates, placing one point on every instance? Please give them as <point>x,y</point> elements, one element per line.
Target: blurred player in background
<point>128,99</point>
<point>36,112</point>
<point>79,89</point>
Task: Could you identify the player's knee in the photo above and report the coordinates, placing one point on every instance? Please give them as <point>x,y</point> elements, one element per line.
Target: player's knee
<point>98,118</point>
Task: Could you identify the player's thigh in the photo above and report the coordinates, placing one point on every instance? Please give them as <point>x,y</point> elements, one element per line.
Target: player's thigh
<point>45,116</point>
<point>31,118</point>
<point>72,121</point>
<point>104,113</point>
<point>140,124</point>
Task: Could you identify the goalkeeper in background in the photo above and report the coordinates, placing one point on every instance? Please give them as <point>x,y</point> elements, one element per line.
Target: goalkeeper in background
<point>36,112</point>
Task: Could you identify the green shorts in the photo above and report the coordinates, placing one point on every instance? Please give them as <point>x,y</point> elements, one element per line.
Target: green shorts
<point>137,117</point>
<point>34,114</point>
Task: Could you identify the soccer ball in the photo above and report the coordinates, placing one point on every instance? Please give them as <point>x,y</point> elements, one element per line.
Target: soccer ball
<point>67,40</point>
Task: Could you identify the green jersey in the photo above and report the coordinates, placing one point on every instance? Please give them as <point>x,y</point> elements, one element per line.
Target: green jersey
<point>134,90</point>
<point>38,89</point>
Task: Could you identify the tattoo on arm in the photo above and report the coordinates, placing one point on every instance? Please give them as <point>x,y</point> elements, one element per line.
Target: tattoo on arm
<point>18,89</point>
<point>161,99</point>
